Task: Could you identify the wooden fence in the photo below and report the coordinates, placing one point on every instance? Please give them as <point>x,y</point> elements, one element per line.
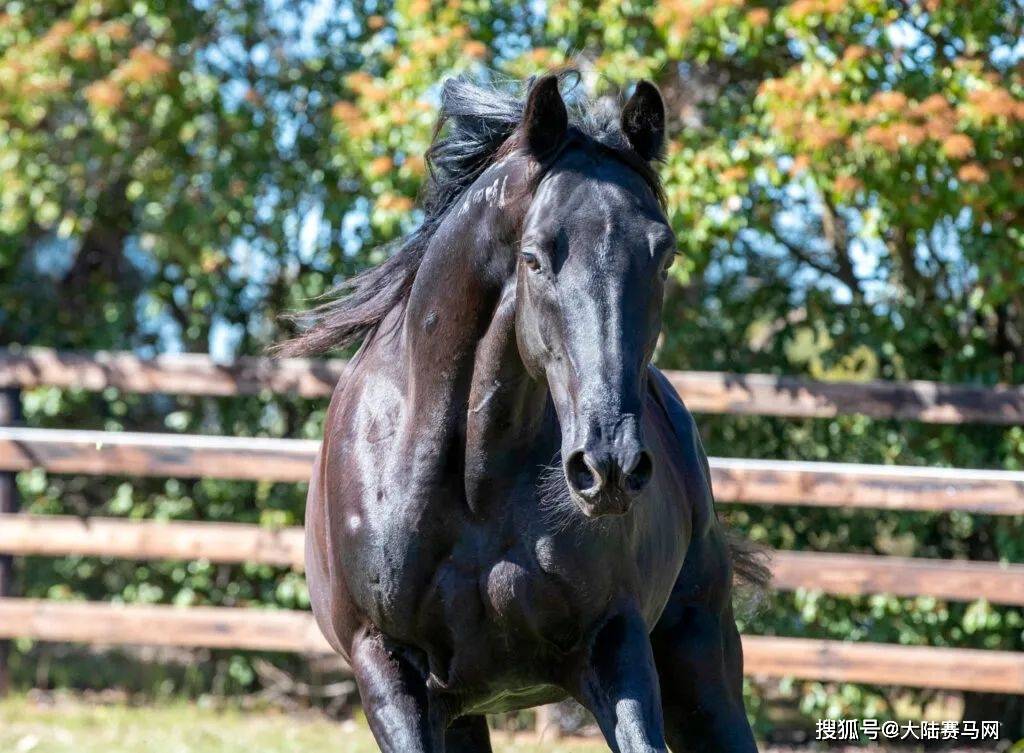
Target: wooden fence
<point>735,480</point>
<point>705,392</point>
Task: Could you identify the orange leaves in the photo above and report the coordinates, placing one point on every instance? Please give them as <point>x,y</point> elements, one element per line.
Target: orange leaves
<point>541,56</point>
<point>994,103</point>
<point>678,17</point>
<point>43,63</point>
<point>117,31</point>
<point>759,17</point>
<point>935,105</point>
<point>854,53</point>
<point>418,9</point>
<point>733,174</point>
<point>433,45</point>
<point>391,202</point>
<point>801,107</point>
<point>811,84</point>
<point>379,166</point>
<point>415,164</point>
<point>383,166</point>
<point>846,185</point>
<point>773,87</point>
<point>819,135</point>
<point>908,123</point>
<point>958,146</point>
<point>54,40</point>
<point>893,136</point>
<point>383,123</point>
<point>889,120</point>
<point>474,49</point>
<point>972,172</point>
<point>82,52</point>
<point>367,87</point>
<point>800,163</point>
<point>882,135</point>
<point>949,131</point>
<point>376,94</point>
<point>104,94</point>
<point>887,102</point>
<point>345,112</point>
<point>802,9</point>
<point>359,80</point>
<point>142,65</point>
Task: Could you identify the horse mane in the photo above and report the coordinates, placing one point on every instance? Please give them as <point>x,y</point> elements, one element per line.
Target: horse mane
<point>476,124</point>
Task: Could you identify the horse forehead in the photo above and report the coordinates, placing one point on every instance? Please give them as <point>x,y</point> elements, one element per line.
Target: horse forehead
<point>595,205</point>
<point>548,201</point>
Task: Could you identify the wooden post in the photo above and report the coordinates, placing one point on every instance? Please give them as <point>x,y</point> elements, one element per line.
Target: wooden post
<point>10,414</point>
<point>547,727</point>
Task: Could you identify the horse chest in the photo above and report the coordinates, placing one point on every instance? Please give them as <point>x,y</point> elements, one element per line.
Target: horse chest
<point>535,596</point>
<point>534,590</point>
<point>499,618</point>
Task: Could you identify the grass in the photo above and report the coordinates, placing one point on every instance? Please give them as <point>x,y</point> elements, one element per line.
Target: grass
<point>69,725</point>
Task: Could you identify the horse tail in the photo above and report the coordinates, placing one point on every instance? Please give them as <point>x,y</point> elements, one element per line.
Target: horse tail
<point>751,567</point>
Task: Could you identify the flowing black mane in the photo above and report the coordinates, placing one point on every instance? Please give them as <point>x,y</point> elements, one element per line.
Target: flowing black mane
<point>475,124</point>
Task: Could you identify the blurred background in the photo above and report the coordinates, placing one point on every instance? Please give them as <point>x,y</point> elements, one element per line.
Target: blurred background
<point>844,178</point>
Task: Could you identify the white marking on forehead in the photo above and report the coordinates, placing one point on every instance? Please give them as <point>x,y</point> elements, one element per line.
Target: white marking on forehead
<point>499,164</point>
<point>501,196</point>
<point>658,235</point>
<point>547,187</point>
<point>492,195</point>
<point>491,192</point>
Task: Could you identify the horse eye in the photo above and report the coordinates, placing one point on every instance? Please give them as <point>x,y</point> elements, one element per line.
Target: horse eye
<point>667,266</point>
<point>531,260</point>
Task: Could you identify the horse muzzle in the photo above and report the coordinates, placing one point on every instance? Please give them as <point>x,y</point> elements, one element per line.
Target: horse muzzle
<point>606,477</point>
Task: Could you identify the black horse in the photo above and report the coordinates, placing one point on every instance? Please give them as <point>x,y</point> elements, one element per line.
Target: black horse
<point>456,566</point>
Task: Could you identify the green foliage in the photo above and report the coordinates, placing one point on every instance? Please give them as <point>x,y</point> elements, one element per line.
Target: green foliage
<point>844,179</point>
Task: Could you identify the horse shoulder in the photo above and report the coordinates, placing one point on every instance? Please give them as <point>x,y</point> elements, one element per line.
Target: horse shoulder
<point>707,569</point>
<point>684,450</point>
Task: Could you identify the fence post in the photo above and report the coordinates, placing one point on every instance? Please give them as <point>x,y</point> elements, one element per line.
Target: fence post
<point>546,726</point>
<point>10,414</point>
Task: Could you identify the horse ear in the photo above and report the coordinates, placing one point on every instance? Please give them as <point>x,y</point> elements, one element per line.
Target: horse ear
<point>643,121</point>
<point>545,119</point>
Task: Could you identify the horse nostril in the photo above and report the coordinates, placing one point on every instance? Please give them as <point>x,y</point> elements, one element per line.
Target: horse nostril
<point>640,474</point>
<point>580,474</point>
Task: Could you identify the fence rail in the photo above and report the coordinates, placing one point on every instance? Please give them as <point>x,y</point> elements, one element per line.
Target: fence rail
<point>848,485</point>
<point>847,574</point>
<point>272,630</point>
<point>704,392</point>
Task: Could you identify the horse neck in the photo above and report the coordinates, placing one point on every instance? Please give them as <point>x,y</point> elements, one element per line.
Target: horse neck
<point>468,393</point>
<point>507,414</point>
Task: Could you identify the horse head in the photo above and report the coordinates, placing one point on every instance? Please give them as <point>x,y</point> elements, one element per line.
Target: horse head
<point>592,266</point>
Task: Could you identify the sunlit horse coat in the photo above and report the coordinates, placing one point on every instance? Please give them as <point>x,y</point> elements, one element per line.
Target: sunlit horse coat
<point>511,506</point>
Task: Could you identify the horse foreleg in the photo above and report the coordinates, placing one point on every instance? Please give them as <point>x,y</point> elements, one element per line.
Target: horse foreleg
<point>395,699</point>
<point>700,664</point>
<point>468,734</point>
<point>620,687</point>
